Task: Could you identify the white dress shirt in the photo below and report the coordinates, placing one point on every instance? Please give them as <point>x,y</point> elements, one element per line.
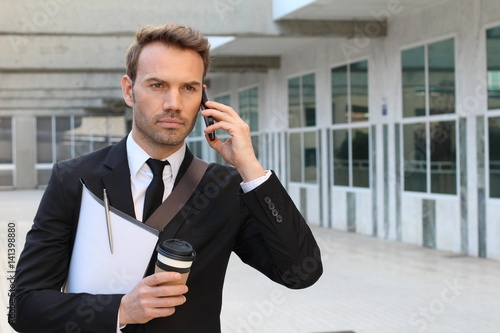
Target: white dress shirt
<point>141,176</point>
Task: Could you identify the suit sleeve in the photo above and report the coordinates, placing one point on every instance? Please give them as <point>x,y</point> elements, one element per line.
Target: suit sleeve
<point>39,304</point>
<point>275,238</point>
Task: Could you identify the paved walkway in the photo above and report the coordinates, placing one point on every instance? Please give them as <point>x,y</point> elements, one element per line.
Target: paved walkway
<point>369,286</point>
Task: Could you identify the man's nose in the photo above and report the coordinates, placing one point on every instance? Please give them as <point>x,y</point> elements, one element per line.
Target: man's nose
<point>172,100</point>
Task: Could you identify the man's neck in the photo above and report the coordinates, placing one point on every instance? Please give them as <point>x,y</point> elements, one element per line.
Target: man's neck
<point>156,151</point>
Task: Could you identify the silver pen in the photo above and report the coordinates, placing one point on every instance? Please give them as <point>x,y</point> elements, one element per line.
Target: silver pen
<point>108,220</point>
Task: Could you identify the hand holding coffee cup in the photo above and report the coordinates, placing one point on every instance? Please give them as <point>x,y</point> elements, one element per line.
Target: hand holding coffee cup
<point>175,255</point>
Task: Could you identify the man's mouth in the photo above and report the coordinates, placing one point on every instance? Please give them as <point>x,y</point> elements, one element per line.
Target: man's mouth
<point>170,123</point>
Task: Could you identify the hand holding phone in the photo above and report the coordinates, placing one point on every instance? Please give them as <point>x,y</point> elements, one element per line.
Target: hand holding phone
<point>208,120</point>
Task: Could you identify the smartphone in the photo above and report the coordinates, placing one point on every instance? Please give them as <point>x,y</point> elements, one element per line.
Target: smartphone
<point>208,120</point>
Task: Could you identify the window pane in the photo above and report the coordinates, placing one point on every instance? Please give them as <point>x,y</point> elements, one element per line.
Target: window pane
<point>198,127</point>
<point>340,157</point>
<point>340,108</point>
<point>100,132</point>
<point>413,62</point>
<point>196,148</point>
<point>494,156</point>
<point>415,155</point>
<point>43,176</point>
<point>359,91</point>
<point>6,178</point>
<point>223,99</point>
<point>255,144</point>
<point>44,140</point>
<point>442,77</point>
<point>493,50</point>
<point>63,138</point>
<point>254,109</point>
<point>295,157</point>
<point>443,157</point>
<point>117,128</point>
<point>84,128</point>
<point>310,158</point>
<point>309,98</point>
<point>6,140</point>
<point>244,106</point>
<point>294,102</point>
<point>360,157</point>
<point>249,108</point>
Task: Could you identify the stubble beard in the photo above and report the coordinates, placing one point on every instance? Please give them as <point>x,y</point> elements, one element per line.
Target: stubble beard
<point>155,136</point>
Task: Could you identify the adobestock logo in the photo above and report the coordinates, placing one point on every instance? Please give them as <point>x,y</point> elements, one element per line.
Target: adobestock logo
<point>224,6</point>
<point>427,315</point>
<point>263,309</point>
<point>48,9</point>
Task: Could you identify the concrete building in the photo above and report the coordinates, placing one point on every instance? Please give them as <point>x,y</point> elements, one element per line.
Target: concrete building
<point>381,117</point>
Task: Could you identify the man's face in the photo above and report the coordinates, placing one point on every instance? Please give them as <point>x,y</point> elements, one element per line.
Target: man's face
<point>165,97</point>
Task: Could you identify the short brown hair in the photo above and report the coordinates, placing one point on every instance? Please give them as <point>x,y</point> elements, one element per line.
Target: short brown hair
<point>171,34</point>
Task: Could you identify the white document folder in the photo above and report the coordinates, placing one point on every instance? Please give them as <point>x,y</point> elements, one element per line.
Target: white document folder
<point>93,268</point>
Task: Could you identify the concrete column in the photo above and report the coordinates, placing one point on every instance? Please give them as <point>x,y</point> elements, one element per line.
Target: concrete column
<point>25,152</point>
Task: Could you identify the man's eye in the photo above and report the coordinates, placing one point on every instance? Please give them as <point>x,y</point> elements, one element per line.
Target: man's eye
<point>191,88</point>
<point>156,85</point>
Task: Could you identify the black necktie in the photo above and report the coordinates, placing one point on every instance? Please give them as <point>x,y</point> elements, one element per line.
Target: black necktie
<point>154,192</point>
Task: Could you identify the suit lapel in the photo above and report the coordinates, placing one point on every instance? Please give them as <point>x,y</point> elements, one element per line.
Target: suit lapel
<point>117,180</point>
<point>188,158</point>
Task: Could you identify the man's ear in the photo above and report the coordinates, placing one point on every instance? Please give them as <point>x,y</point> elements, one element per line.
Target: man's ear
<point>128,95</point>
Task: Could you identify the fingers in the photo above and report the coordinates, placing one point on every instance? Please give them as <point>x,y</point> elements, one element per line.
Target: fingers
<point>161,278</point>
<point>165,302</point>
<point>238,149</point>
<point>152,298</point>
<point>139,310</point>
<point>227,121</point>
<point>162,290</point>
<point>221,113</point>
<point>157,285</point>
<point>219,106</point>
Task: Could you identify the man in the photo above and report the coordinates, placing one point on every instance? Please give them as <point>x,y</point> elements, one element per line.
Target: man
<point>249,212</point>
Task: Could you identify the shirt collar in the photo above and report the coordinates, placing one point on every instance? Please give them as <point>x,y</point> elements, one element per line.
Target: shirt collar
<point>137,157</point>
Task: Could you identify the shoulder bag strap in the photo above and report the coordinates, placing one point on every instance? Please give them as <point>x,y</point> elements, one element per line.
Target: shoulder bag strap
<point>179,196</point>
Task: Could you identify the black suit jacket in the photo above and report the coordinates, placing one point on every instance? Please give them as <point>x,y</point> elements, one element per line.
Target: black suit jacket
<point>263,227</point>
